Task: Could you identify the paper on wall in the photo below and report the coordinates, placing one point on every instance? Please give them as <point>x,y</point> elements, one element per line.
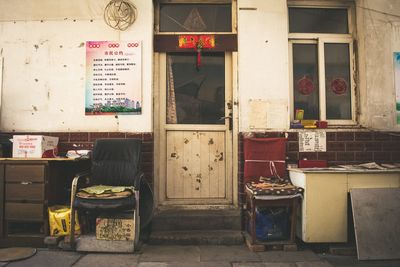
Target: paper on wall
<point>312,141</point>
<point>265,114</point>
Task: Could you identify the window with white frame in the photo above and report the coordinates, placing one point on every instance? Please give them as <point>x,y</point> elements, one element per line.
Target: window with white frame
<point>321,63</point>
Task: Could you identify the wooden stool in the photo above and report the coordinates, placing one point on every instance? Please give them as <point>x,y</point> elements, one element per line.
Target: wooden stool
<point>258,201</point>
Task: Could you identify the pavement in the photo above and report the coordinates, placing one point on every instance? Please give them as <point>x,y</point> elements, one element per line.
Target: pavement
<point>195,256</point>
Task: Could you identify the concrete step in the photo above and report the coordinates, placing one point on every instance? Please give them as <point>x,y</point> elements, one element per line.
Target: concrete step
<point>89,243</point>
<point>197,237</point>
<point>181,220</point>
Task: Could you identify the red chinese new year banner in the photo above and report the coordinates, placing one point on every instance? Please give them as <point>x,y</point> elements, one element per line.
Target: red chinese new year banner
<point>196,41</point>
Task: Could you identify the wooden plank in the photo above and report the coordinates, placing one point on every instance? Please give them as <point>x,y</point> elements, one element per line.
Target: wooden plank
<point>206,169</point>
<point>169,43</point>
<point>213,162</point>
<point>188,186</point>
<point>174,160</point>
<point>221,155</point>
<point>376,214</point>
<point>179,184</point>
<point>195,165</point>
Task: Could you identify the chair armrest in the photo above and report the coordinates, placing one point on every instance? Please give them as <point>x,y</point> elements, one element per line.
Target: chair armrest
<point>138,179</point>
<point>74,185</point>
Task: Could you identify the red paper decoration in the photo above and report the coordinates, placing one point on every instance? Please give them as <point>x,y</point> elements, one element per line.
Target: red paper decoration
<point>305,85</point>
<point>339,86</point>
<point>197,42</point>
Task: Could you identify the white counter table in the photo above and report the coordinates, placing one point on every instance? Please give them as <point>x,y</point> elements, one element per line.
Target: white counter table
<point>325,205</point>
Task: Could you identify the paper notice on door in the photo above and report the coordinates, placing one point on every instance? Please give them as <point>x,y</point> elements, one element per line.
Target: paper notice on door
<point>312,141</point>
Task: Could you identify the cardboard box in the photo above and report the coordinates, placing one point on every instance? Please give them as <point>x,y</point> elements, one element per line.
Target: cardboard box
<point>34,146</point>
<point>115,229</point>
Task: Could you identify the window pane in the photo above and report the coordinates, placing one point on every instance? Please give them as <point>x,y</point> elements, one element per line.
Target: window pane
<point>195,96</point>
<point>305,80</point>
<point>318,20</point>
<point>195,18</point>
<point>337,81</point>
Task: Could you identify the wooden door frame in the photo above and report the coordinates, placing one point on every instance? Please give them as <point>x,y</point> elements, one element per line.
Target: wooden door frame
<point>159,138</point>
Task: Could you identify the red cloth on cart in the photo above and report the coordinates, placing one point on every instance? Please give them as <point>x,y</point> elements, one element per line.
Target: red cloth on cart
<point>264,157</point>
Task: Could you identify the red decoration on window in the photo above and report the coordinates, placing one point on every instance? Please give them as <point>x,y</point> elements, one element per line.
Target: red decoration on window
<point>305,85</point>
<point>198,42</point>
<point>339,86</point>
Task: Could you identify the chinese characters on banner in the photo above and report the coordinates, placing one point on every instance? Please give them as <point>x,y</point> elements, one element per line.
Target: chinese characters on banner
<point>397,84</point>
<point>312,141</point>
<point>113,77</point>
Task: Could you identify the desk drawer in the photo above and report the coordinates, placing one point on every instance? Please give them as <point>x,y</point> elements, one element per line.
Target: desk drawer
<point>24,211</point>
<point>25,173</point>
<point>23,191</point>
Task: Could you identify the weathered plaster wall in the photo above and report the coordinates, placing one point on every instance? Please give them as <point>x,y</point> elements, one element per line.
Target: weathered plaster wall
<point>263,65</point>
<point>44,64</point>
<point>379,36</point>
<point>43,46</point>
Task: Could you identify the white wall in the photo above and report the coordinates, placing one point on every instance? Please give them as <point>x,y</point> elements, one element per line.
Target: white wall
<point>44,64</point>
<point>378,36</point>
<point>263,65</point>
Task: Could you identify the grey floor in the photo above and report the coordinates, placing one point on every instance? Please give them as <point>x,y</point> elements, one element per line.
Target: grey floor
<point>194,256</point>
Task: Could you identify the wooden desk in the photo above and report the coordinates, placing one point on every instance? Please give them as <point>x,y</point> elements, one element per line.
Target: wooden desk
<point>28,187</point>
<point>325,204</point>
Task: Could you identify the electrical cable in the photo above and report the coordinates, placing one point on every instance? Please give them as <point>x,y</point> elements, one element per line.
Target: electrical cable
<point>120,14</point>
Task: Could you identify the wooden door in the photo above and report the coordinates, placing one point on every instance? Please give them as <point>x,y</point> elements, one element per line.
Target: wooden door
<point>195,128</point>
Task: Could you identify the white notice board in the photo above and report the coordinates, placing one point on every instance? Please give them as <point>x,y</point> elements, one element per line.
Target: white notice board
<point>312,141</point>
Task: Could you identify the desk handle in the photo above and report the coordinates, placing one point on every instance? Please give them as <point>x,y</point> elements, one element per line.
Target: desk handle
<point>26,183</point>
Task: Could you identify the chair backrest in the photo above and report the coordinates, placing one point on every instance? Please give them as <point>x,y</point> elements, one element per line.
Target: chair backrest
<point>264,157</point>
<point>116,161</point>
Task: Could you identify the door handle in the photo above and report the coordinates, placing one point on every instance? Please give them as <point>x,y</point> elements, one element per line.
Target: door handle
<point>230,120</point>
<point>226,117</point>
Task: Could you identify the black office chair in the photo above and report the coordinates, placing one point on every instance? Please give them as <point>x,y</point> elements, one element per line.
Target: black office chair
<point>115,162</point>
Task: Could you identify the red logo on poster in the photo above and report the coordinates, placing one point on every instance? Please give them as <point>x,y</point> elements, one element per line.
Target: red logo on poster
<point>339,86</point>
<point>113,45</point>
<point>305,85</point>
<point>94,45</point>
